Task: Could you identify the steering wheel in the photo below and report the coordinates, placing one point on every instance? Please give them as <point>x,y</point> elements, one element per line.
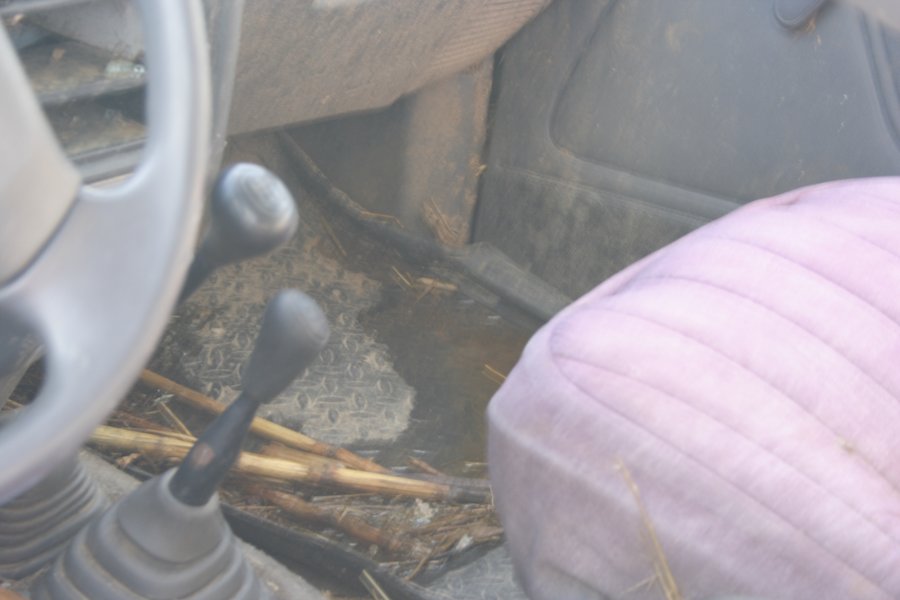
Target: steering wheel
<point>94,273</point>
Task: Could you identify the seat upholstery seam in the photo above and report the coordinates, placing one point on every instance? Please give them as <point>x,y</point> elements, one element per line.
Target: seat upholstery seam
<point>695,460</point>
<point>717,474</point>
<point>770,309</point>
<point>762,379</point>
<point>837,227</point>
<point>806,268</point>
<point>840,439</point>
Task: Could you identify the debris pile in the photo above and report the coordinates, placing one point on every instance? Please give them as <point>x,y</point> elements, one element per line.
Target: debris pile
<point>409,521</point>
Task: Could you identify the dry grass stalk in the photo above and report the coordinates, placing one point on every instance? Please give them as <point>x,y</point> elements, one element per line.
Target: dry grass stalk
<point>420,566</point>
<point>660,564</point>
<point>142,424</point>
<point>403,278</point>
<point>493,374</point>
<point>340,519</point>
<point>481,487</point>
<point>172,418</point>
<point>376,216</point>
<point>124,461</point>
<point>461,529</point>
<point>168,433</point>
<point>448,230</point>
<point>423,466</point>
<point>334,237</point>
<point>159,445</point>
<point>372,586</point>
<point>277,469</point>
<point>429,284</point>
<point>456,520</point>
<point>261,427</point>
<point>436,284</point>
<point>276,450</point>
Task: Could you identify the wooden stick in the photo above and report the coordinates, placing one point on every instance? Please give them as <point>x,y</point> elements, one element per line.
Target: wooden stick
<point>261,427</point>
<point>350,524</point>
<point>285,470</point>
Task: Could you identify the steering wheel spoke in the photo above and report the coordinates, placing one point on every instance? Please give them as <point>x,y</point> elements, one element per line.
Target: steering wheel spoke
<point>32,204</point>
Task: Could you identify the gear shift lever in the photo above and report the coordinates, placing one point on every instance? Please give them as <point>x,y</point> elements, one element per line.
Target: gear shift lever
<point>251,213</point>
<point>168,539</point>
<point>294,330</point>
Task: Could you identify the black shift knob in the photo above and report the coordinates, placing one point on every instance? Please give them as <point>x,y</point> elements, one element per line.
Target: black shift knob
<point>251,213</point>
<point>294,330</point>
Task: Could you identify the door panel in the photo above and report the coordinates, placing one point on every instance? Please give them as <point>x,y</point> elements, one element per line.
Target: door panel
<point>619,126</point>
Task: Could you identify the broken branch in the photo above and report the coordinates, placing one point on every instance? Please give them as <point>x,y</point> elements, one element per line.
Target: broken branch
<point>261,427</point>
<point>284,470</point>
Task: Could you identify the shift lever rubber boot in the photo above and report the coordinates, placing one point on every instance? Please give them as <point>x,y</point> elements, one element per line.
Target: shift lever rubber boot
<point>168,538</point>
<point>149,545</point>
<point>36,526</point>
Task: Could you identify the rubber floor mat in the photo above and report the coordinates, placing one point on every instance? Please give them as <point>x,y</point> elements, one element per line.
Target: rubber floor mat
<point>488,578</point>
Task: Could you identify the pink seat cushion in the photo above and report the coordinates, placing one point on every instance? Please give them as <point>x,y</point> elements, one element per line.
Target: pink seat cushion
<point>747,378</point>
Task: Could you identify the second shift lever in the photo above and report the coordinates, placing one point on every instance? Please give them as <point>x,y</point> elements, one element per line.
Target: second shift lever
<point>167,538</point>
<point>251,213</point>
<point>294,330</point>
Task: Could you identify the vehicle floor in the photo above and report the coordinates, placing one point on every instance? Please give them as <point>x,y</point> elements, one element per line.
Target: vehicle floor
<point>407,373</point>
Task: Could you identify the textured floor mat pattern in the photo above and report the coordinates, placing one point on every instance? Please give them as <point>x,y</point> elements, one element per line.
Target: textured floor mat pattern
<point>351,394</point>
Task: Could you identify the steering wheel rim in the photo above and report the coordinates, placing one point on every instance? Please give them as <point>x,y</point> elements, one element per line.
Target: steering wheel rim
<point>99,290</point>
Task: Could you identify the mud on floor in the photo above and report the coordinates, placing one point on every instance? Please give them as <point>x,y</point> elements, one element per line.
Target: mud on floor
<point>409,368</point>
